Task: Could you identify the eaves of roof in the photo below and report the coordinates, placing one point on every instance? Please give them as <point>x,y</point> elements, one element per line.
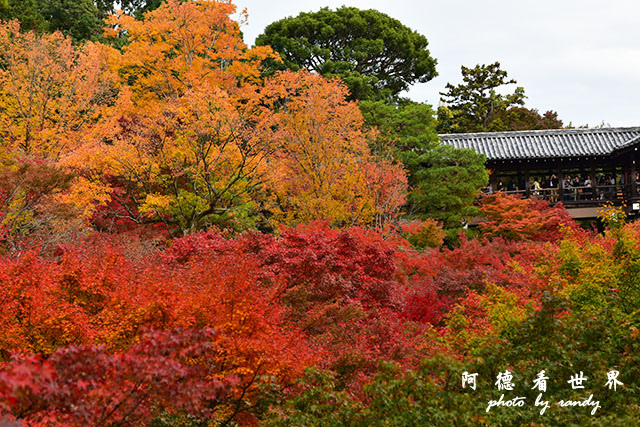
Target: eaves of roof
<point>551,143</point>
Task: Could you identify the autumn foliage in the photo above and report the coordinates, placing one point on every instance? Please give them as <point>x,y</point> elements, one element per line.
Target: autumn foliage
<point>86,385</point>
<point>523,219</point>
<point>342,300</point>
<point>323,168</point>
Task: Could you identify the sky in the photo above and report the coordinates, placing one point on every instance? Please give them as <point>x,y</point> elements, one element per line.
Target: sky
<point>579,58</point>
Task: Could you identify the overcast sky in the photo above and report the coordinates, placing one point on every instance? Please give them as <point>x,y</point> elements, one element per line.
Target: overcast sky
<point>579,58</point>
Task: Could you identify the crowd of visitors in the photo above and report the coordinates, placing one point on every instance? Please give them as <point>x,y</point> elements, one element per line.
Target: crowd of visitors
<point>573,188</point>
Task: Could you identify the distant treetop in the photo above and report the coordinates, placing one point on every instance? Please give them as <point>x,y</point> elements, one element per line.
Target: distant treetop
<point>477,106</point>
<point>79,19</point>
<point>375,55</point>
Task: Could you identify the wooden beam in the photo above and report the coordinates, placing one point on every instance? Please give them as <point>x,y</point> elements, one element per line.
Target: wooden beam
<point>632,179</point>
<point>593,180</point>
<point>560,179</point>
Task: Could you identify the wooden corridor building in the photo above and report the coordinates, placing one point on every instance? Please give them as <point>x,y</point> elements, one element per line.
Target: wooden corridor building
<point>582,168</point>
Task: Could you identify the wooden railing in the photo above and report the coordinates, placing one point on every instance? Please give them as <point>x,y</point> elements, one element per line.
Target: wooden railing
<point>583,195</point>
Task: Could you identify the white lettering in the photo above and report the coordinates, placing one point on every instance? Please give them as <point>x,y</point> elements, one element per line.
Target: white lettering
<point>543,403</point>
<point>516,401</point>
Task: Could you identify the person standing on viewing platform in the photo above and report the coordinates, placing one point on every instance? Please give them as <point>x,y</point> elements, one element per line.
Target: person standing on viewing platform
<point>587,192</point>
<point>553,184</point>
<point>536,187</point>
<point>612,187</point>
<point>566,186</point>
<point>601,186</point>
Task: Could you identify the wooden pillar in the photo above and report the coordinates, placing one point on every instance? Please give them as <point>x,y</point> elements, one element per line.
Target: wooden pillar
<point>527,183</point>
<point>632,178</point>
<point>626,172</point>
<point>554,192</point>
<point>593,180</point>
<point>560,179</point>
<point>519,180</point>
<point>493,179</point>
<point>614,190</point>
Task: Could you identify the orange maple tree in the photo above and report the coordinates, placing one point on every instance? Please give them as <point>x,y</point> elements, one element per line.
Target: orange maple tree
<point>50,90</point>
<point>323,168</point>
<point>51,94</point>
<point>186,142</point>
<point>182,45</point>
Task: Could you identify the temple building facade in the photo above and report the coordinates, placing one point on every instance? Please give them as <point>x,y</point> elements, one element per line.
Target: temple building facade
<point>582,168</point>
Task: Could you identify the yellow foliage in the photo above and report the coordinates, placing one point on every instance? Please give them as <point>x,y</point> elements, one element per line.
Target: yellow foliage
<point>84,195</point>
<point>154,203</point>
<point>322,168</point>
<point>49,90</point>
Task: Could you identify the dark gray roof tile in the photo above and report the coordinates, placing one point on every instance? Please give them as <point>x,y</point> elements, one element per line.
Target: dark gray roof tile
<point>541,144</point>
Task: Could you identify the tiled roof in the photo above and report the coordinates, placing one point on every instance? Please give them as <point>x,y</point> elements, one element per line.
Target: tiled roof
<point>542,144</point>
